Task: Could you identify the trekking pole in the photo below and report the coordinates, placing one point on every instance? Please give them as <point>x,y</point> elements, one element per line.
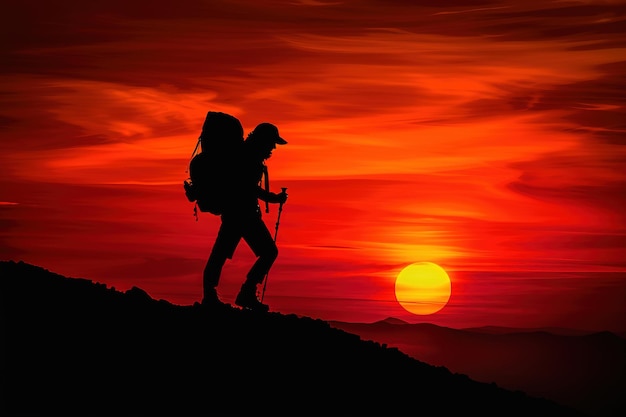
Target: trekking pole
<point>280,210</point>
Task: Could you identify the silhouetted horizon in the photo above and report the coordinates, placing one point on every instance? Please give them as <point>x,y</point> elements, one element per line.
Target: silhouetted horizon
<point>125,353</point>
<point>584,370</point>
<point>563,331</point>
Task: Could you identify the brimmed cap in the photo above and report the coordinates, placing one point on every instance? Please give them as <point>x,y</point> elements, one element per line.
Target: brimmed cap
<point>269,131</point>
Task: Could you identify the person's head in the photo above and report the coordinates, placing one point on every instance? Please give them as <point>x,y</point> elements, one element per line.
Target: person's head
<point>263,140</point>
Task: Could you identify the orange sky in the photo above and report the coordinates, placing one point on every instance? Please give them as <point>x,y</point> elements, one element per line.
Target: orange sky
<point>484,136</point>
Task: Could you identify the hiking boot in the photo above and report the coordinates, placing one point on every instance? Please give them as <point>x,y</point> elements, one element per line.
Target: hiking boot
<point>247,299</point>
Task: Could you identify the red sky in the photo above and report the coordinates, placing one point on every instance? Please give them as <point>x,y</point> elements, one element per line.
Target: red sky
<point>485,136</point>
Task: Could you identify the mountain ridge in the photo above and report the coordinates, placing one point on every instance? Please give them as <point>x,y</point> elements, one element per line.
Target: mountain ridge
<point>74,347</point>
<point>583,370</point>
<point>561,331</point>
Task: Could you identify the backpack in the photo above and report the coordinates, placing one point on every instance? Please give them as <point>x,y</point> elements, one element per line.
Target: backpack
<point>212,162</point>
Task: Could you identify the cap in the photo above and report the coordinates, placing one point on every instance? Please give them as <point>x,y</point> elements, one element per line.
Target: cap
<point>268,131</point>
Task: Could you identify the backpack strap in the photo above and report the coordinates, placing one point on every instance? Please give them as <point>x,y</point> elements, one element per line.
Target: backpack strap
<point>267,186</point>
<point>194,153</point>
<point>188,172</point>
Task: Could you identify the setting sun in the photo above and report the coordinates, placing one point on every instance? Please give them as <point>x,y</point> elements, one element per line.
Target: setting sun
<point>423,288</point>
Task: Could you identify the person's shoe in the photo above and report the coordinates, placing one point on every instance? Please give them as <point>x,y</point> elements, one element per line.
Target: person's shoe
<point>247,299</point>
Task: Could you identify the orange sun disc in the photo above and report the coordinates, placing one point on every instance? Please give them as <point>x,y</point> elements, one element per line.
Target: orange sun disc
<point>423,288</point>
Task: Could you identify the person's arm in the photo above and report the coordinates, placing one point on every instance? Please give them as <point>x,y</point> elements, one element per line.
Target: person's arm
<point>269,196</point>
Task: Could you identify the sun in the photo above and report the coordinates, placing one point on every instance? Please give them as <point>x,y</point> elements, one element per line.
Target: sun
<point>423,288</point>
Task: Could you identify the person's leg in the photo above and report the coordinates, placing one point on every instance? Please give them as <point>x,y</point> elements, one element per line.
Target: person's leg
<point>260,240</point>
<point>258,237</point>
<point>211,275</point>
<point>224,247</point>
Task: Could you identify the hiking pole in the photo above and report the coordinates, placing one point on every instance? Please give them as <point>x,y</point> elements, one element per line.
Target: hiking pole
<point>280,210</point>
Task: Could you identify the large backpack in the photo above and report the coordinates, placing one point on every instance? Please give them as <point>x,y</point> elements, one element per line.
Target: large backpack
<point>212,162</point>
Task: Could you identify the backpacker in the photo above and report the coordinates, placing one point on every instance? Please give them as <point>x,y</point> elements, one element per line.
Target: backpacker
<point>211,162</point>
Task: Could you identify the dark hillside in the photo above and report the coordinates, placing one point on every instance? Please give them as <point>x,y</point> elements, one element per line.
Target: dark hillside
<point>583,370</point>
<point>72,347</point>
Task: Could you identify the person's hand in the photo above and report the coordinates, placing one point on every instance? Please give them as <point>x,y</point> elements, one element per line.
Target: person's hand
<point>279,198</point>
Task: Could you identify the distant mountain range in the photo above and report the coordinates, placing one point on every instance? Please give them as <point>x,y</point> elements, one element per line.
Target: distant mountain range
<point>73,347</point>
<point>584,370</point>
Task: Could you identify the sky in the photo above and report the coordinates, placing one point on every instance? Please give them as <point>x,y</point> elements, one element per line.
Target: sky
<point>487,137</point>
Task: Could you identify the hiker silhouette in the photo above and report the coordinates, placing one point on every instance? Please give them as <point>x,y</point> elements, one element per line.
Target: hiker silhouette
<point>241,218</point>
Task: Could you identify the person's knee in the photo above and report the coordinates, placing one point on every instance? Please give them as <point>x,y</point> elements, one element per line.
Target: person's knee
<point>269,253</point>
<point>272,252</point>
